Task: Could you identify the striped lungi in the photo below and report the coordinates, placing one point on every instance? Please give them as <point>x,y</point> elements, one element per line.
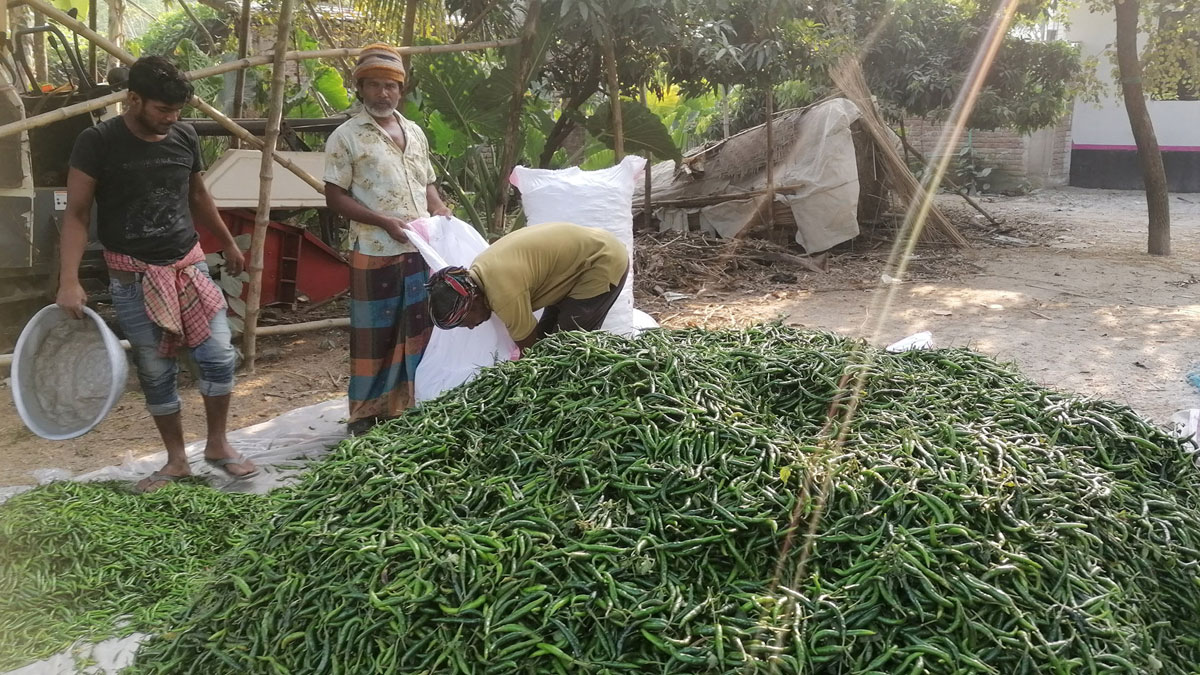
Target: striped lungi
<point>389,330</point>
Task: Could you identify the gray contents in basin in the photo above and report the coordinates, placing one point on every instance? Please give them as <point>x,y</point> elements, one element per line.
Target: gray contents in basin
<point>71,375</point>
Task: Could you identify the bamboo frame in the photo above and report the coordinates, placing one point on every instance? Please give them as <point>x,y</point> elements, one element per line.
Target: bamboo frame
<point>116,97</point>
<point>262,216</point>
<point>274,118</point>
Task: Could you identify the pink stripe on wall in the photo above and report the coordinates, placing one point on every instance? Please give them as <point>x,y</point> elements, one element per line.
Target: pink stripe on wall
<point>1133,148</point>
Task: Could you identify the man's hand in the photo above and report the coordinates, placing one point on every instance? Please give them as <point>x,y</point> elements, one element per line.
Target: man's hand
<point>235,260</point>
<point>397,229</point>
<point>444,211</point>
<point>72,298</point>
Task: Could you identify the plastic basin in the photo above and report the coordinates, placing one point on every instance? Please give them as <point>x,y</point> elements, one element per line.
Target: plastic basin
<point>66,374</point>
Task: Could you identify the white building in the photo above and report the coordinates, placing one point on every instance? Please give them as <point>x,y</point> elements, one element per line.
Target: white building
<point>1103,154</point>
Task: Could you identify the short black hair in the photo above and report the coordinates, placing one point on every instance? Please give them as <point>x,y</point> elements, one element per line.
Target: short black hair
<point>157,79</point>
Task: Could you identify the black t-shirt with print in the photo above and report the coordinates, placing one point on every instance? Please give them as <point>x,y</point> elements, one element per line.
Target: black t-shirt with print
<point>141,189</point>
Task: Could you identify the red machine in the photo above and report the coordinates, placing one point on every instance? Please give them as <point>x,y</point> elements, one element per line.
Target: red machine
<point>295,262</point>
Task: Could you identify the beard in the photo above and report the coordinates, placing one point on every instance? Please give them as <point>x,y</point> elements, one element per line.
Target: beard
<point>379,110</point>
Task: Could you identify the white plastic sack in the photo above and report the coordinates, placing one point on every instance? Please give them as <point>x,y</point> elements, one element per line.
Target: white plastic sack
<point>922,340</point>
<point>453,357</point>
<point>601,199</point>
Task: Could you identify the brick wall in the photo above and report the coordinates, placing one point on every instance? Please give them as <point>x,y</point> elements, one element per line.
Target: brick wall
<point>1003,150</point>
<point>1060,163</point>
<point>1016,159</point>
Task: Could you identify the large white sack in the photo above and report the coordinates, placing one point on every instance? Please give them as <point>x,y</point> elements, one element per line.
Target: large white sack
<point>601,199</point>
<point>455,356</point>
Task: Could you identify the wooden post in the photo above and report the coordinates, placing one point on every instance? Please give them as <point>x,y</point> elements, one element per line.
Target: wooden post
<point>724,112</point>
<point>40,67</point>
<point>614,98</point>
<point>116,29</point>
<point>770,157</point>
<point>508,157</point>
<point>238,109</point>
<point>406,38</point>
<point>646,217</point>
<point>93,10</point>
<point>263,216</point>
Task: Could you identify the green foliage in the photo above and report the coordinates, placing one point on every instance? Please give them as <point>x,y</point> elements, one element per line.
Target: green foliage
<point>644,132</point>
<point>172,28</point>
<point>918,63</point>
<point>1171,59</point>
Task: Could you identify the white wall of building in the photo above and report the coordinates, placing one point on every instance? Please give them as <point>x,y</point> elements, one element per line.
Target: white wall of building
<point>1176,123</point>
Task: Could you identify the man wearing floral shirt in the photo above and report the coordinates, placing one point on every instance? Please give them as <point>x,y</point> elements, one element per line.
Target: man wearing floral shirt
<point>378,175</point>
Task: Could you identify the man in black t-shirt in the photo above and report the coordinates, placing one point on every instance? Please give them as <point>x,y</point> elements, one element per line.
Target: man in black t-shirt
<point>142,170</point>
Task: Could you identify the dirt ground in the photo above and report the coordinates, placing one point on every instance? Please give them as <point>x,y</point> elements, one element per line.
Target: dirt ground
<point>1061,287</point>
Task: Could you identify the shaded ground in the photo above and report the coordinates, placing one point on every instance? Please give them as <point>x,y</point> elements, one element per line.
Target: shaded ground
<point>1061,287</point>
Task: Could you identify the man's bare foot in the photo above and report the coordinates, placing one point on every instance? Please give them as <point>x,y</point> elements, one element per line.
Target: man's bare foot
<point>221,455</point>
<point>160,478</point>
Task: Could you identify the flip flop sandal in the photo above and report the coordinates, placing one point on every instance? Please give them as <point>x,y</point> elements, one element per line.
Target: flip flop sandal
<point>157,477</point>
<point>226,461</point>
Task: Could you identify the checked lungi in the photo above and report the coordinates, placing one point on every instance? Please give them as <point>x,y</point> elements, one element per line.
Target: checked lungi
<point>389,330</point>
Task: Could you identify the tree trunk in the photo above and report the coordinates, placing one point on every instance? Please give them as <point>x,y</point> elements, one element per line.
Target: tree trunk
<point>238,107</point>
<point>41,67</point>
<point>1153,174</point>
<point>116,29</point>
<point>614,99</point>
<point>647,188</point>
<point>406,39</point>
<point>92,66</point>
<point>263,215</point>
<point>770,157</point>
<point>565,124</point>
<point>724,112</point>
<point>508,157</point>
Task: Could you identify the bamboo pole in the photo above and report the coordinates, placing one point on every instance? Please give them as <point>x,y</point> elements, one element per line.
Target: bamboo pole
<point>770,156</point>
<point>239,80</point>
<point>77,26</point>
<point>264,331</point>
<point>406,36</point>
<point>262,217</point>
<point>649,183</point>
<point>348,52</point>
<point>116,97</point>
<point>116,27</point>
<point>93,10</point>
<point>41,65</point>
<point>508,157</point>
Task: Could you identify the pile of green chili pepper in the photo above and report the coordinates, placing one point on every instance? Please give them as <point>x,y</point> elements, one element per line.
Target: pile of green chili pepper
<point>88,561</point>
<point>722,502</point>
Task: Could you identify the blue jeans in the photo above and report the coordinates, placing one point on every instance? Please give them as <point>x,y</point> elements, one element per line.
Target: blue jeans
<point>215,357</point>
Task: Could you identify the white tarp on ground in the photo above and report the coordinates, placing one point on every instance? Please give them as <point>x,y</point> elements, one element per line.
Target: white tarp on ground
<point>814,160</point>
<point>280,447</point>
